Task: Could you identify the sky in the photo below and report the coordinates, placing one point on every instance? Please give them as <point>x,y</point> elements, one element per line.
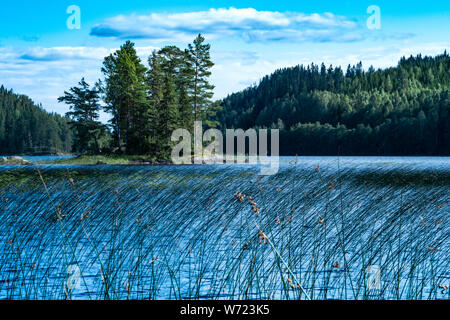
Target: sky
<point>43,52</point>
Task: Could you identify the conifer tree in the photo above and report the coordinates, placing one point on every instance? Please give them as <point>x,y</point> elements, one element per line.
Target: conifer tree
<point>155,97</point>
<point>184,79</point>
<point>84,103</point>
<point>168,116</point>
<point>200,90</point>
<point>26,128</point>
<point>126,98</point>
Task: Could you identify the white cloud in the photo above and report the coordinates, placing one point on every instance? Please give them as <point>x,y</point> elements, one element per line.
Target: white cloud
<point>63,53</point>
<point>66,53</point>
<point>44,73</point>
<point>248,24</point>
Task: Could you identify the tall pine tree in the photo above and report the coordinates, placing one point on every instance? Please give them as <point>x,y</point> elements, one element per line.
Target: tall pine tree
<point>200,89</point>
<point>126,98</point>
<point>85,105</point>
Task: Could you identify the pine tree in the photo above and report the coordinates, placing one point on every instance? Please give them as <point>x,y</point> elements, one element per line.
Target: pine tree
<point>26,128</point>
<point>201,90</point>
<point>126,98</point>
<point>168,117</point>
<point>85,105</point>
<point>155,96</point>
<point>184,78</point>
<point>396,111</point>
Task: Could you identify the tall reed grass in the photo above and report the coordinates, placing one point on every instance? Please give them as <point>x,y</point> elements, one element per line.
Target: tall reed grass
<point>223,232</point>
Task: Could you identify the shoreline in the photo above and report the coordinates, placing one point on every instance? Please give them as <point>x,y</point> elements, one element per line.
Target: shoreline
<point>139,160</point>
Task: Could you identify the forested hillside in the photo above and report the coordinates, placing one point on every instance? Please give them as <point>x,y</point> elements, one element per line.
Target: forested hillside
<point>27,128</point>
<point>403,110</point>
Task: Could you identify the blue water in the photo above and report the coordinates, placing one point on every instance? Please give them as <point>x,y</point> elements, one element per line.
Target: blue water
<point>36,159</point>
<point>178,232</point>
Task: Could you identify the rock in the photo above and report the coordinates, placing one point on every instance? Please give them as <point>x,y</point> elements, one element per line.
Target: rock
<point>16,158</point>
<point>99,162</point>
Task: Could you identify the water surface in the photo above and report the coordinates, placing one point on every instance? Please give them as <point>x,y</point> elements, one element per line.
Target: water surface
<point>181,232</point>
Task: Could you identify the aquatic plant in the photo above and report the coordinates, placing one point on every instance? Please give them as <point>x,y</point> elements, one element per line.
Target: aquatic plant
<point>314,230</point>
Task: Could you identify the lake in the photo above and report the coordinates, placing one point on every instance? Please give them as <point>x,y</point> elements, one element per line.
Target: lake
<point>321,228</point>
<point>43,158</point>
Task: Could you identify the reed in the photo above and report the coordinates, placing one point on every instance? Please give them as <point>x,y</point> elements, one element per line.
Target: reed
<point>223,232</point>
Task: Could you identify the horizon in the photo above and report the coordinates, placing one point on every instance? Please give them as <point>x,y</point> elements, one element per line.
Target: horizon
<point>41,56</point>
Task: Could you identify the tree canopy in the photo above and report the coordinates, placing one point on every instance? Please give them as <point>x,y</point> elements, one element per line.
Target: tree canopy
<point>25,128</point>
<point>85,105</point>
<point>147,103</point>
<point>403,110</point>
<point>319,109</point>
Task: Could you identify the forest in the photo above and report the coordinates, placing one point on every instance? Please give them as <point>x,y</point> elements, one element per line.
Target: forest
<point>146,103</point>
<point>26,128</point>
<point>320,110</point>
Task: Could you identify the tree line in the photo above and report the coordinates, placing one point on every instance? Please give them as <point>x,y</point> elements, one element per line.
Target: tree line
<point>25,128</point>
<point>145,103</point>
<point>320,110</point>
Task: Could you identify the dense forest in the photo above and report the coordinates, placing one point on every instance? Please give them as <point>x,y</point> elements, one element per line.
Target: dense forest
<point>146,102</point>
<point>320,110</point>
<point>403,110</point>
<point>27,128</point>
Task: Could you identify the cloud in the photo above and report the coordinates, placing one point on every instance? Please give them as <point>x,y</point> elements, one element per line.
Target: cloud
<point>62,53</point>
<point>65,53</point>
<point>248,24</point>
<point>44,73</point>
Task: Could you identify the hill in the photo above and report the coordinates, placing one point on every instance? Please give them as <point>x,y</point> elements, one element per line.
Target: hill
<point>403,110</point>
<point>27,128</point>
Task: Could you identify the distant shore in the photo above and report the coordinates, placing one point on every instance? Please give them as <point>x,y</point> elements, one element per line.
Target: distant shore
<point>130,160</point>
<point>111,159</point>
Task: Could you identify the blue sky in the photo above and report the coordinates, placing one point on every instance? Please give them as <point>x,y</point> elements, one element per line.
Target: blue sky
<point>41,57</point>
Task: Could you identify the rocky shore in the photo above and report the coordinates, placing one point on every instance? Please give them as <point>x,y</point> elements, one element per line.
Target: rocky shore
<point>14,160</point>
